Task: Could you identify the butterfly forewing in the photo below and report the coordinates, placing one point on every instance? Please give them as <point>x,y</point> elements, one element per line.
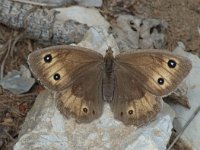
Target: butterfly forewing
<point>158,72</point>
<point>55,66</point>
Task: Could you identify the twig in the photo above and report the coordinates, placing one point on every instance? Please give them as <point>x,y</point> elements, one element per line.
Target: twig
<point>15,40</point>
<point>26,95</point>
<point>4,60</point>
<point>9,49</point>
<point>12,139</point>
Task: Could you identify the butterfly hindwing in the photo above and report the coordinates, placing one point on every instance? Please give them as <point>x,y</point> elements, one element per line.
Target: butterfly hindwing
<point>83,99</point>
<point>136,111</point>
<point>131,103</point>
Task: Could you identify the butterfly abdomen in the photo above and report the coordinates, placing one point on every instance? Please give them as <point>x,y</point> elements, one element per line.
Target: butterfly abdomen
<point>108,87</point>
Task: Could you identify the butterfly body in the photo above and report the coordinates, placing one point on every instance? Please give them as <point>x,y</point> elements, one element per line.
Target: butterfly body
<point>109,79</point>
<point>131,82</point>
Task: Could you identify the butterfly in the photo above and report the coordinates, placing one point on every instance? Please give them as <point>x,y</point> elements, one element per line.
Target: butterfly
<point>131,82</point>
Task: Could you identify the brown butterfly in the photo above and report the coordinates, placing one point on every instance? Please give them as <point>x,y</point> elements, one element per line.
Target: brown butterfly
<point>132,82</point>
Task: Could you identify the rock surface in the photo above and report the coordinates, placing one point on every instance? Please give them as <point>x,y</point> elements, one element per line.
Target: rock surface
<point>133,32</point>
<point>18,82</point>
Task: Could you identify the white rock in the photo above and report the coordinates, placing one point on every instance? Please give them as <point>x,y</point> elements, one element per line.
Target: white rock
<point>127,38</point>
<point>18,81</point>
<point>133,32</point>
<point>192,133</point>
<point>89,16</point>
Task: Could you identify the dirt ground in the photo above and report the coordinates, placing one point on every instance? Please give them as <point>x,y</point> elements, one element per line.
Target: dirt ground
<point>183,17</point>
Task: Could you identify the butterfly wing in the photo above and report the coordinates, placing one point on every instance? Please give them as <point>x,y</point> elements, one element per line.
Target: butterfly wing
<point>83,99</point>
<point>75,74</point>
<point>141,78</point>
<point>158,72</point>
<point>55,66</point>
<point>131,103</point>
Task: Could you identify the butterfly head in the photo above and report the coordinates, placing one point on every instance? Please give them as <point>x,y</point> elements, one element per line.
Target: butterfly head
<point>108,60</point>
<point>109,52</point>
